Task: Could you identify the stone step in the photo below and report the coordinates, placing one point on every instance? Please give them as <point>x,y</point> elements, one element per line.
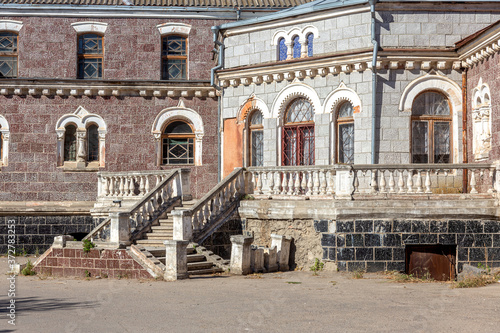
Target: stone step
<point>192,258</point>
<point>164,228</point>
<point>199,265</point>
<point>151,242</point>
<point>212,270</point>
<point>169,220</point>
<point>159,235</point>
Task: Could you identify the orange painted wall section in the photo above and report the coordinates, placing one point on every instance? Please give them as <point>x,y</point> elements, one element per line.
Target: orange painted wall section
<point>233,145</point>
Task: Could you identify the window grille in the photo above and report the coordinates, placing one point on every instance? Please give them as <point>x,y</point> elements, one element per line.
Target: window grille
<point>256,139</point>
<point>8,55</point>
<point>174,58</point>
<point>298,134</point>
<point>90,56</point>
<point>431,129</point>
<point>178,144</point>
<point>345,133</point>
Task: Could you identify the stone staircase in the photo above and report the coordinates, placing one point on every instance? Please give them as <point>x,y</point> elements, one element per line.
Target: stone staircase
<point>199,261</point>
<point>163,231</point>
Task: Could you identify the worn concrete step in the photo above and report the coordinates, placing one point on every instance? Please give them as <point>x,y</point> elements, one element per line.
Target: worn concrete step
<point>163,228</point>
<point>159,235</point>
<point>167,220</point>
<point>199,265</point>
<point>195,258</point>
<point>150,242</point>
<point>212,270</point>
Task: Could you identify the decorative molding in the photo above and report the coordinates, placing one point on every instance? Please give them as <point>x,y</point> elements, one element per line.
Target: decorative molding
<point>292,91</point>
<point>10,25</point>
<point>5,133</point>
<point>90,27</point>
<point>480,48</point>
<point>481,121</point>
<point>250,104</point>
<point>179,112</point>
<point>342,93</point>
<point>174,29</point>
<point>79,88</point>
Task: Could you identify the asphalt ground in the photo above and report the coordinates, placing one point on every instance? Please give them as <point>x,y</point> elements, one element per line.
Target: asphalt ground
<point>276,302</point>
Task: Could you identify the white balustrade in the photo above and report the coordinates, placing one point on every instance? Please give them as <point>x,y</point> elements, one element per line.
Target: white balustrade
<point>129,184</point>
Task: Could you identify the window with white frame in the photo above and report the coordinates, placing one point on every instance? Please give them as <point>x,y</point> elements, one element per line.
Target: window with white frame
<point>81,140</point>
<point>296,43</point>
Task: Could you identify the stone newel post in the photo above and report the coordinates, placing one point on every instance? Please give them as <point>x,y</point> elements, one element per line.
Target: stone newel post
<point>241,254</point>
<point>120,228</point>
<point>175,260</point>
<point>183,228</point>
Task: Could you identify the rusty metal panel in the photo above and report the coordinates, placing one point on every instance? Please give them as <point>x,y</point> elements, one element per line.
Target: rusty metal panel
<point>435,261</point>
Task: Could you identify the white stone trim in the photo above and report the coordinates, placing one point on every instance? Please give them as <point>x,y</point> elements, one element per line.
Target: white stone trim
<point>449,88</point>
<point>172,28</point>
<point>5,133</point>
<point>257,104</point>
<point>10,25</point>
<point>90,27</point>
<point>340,94</point>
<point>310,29</point>
<point>180,112</point>
<point>481,121</point>
<point>294,90</point>
<point>82,119</point>
<point>278,35</point>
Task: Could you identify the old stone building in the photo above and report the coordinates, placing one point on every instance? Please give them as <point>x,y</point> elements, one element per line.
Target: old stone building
<point>366,100</point>
<point>103,88</point>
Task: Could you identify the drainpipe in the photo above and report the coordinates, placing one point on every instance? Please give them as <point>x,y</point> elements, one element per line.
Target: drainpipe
<point>220,53</point>
<point>464,129</point>
<point>374,77</point>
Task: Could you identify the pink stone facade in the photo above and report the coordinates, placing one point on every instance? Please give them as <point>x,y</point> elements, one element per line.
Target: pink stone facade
<point>489,71</point>
<point>104,263</point>
<point>47,50</point>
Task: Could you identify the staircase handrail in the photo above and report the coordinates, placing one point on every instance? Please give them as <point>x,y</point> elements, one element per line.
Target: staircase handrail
<point>95,233</point>
<point>208,210</point>
<point>155,203</point>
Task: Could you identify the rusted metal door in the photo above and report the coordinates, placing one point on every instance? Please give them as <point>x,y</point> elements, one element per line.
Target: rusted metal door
<point>434,261</point>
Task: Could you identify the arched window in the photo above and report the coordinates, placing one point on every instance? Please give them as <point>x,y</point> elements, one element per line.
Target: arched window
<point>256,137</point>
<point>282,49</point>
<point>298,133</point>
<point>70,143</point>
<point>92,143</point>
<point>178,143</point>
<point>90,56</point>
<point>8,54</point>
<point>296,47</point>
<point>431,129</point>
<point>345,133</point>
<point>310,39</point>
<point>174,58</point>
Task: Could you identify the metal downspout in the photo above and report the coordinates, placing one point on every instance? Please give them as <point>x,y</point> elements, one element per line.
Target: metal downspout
<point>374,78</point>
<point>220,53</point>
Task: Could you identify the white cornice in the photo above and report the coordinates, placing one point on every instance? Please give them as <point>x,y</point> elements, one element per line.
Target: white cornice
<point>8,88</point>
<point>277,72</point>
<point>480,49</point>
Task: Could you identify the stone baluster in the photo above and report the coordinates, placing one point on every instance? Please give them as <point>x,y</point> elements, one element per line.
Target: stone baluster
<point>409,183</point>
<point>277,182</point>
<point>382,181</point>
<point>329,179</point>
<point>401,182</point>
<point>111,186</point>
<point>322,181</point>
<point>258,189</point>
<point>356,181</point>
<point>392,183</point>
<point>374,182</point>
<point>428,182</point>
<point>309,183</point>
<point>121,187</point>
<point>270,182</point>
<point>146,185</point>
<point>284,183</point>
<point>296,190</point>
<point>105,190</point>
<point>290,182</point>
<point>141,186</point>
<point>315,182</point>
<point>206,213</point>
<point>131,186</point>
<point>473,181</point>
<point>419,182</point>
<point>491,188</point>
